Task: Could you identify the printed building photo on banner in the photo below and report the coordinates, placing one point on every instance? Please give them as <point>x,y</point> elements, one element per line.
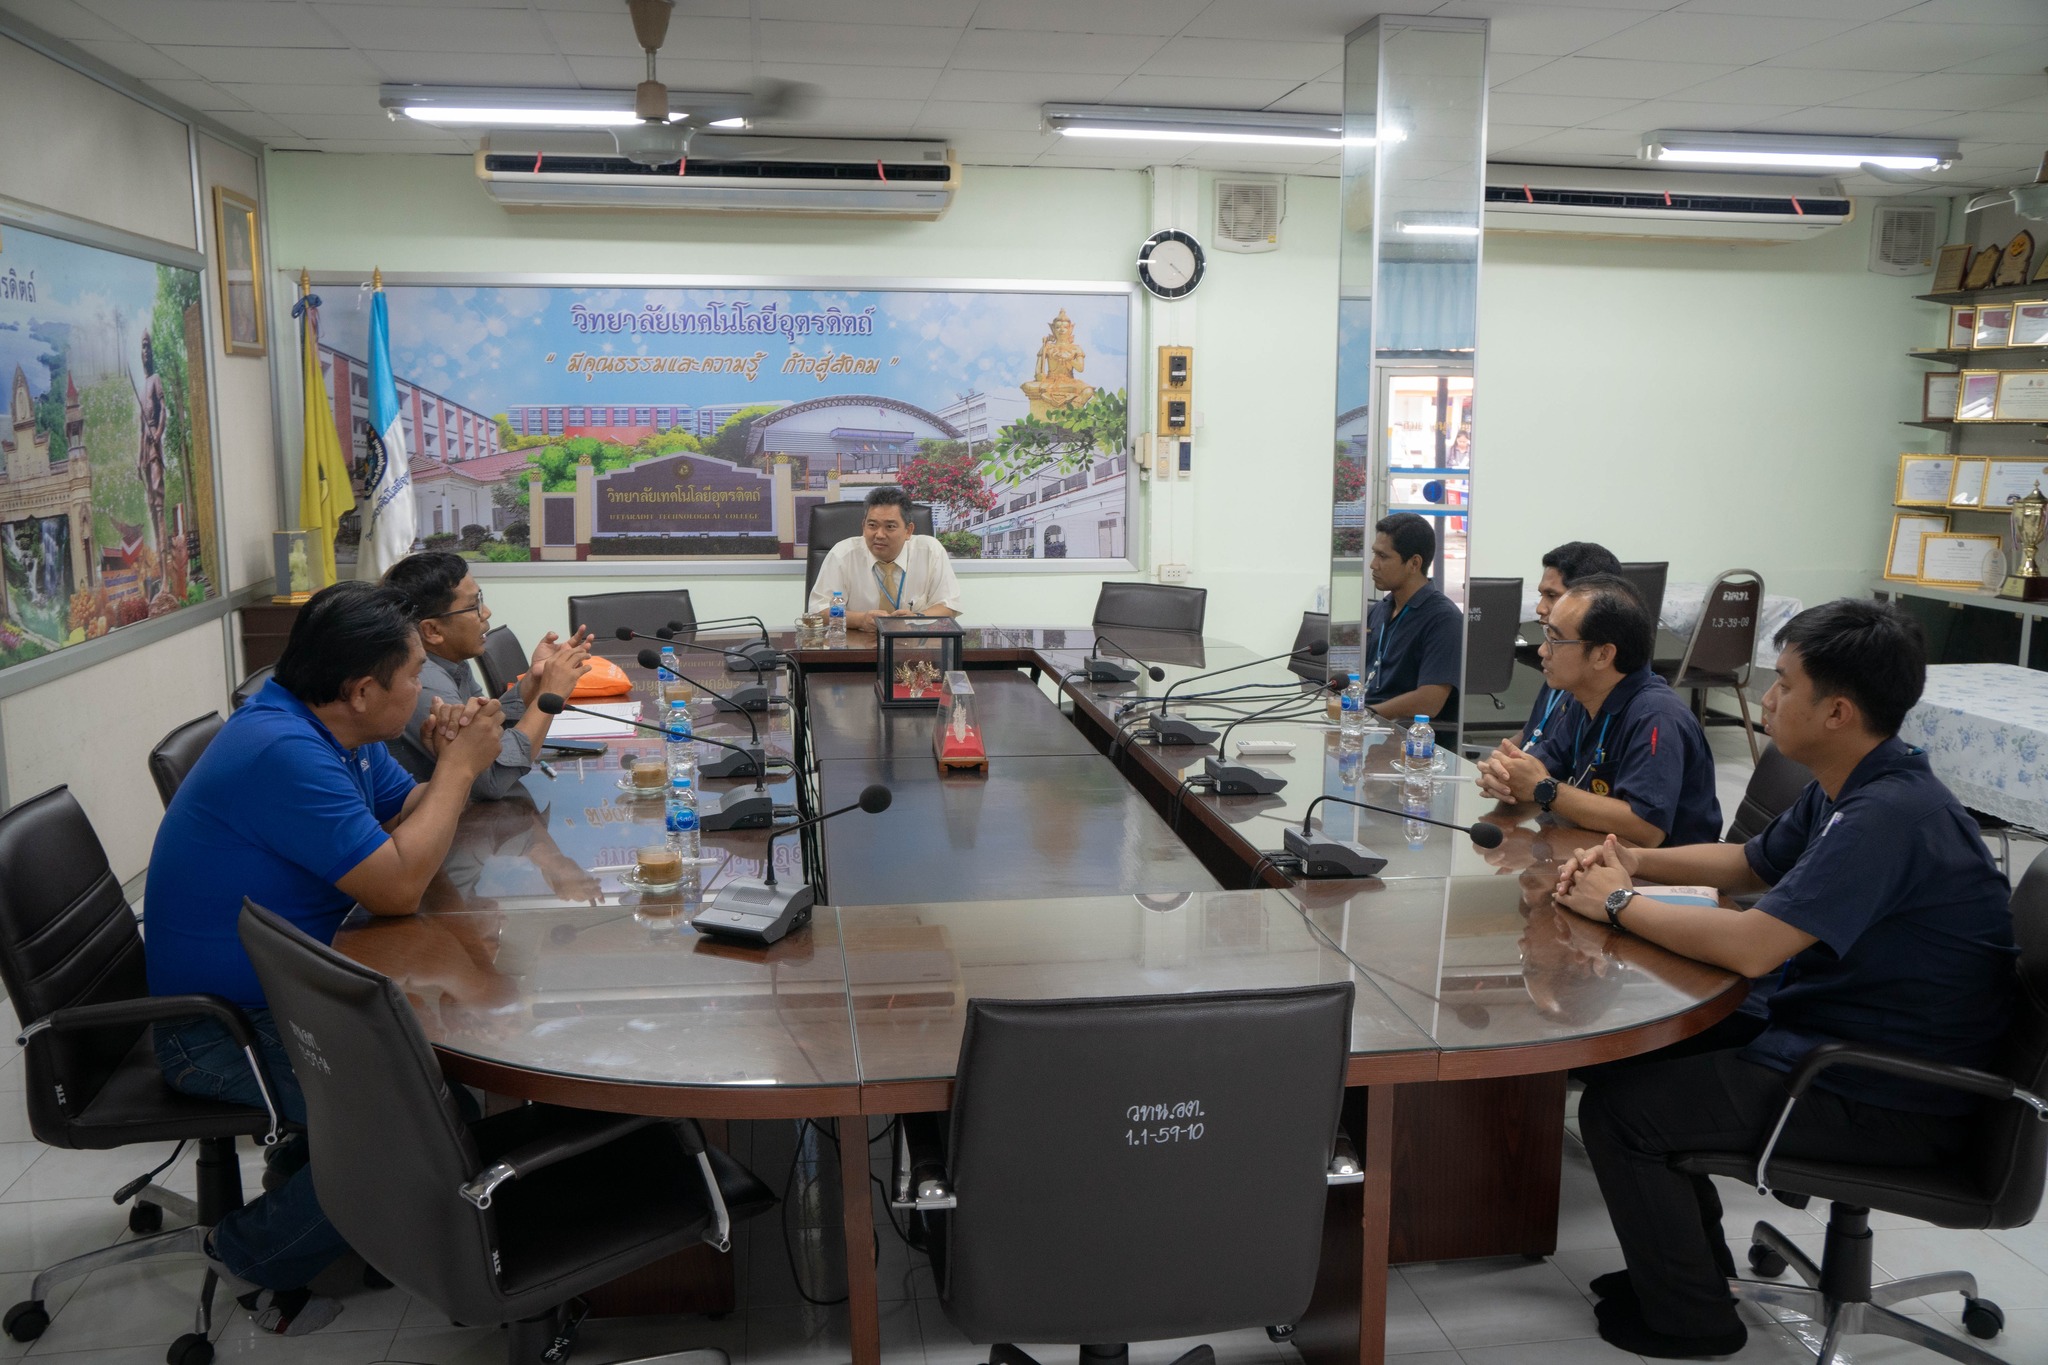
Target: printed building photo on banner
<point>558,423</point>
<point>106,506</point>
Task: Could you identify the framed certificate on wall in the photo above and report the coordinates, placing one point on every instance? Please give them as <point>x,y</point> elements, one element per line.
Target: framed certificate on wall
<point>2029,323</point>
<point>1924,480</point>
<point>1962,327</point>
<point>1938,395</point>
<point>1966,486</point>
<point>1994,325</point>
<point>1902,556</point>
<point>2005,480</point>
<point>1956,561</point>
<point>1949,266</point>
<point>2022,396</point>
<point>1977,396</point>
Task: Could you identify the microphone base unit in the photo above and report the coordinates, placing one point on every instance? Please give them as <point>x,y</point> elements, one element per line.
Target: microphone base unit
<point>1109,671</point>
<point>762,658</point>
<point>752,763</point>
<point>1324,855</point>
<point>751,912</point>
<point>1242,779</point>
<point>737,810</point>
<point>1177,730</point>
<point>753,697</point>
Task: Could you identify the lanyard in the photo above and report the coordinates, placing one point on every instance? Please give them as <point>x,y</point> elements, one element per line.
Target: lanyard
<point>881,584</point>
<point>1543,721</point>
<point>1387,633</point>
<point>1599,749</point>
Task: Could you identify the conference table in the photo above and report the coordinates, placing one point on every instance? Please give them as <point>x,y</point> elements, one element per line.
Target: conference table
<point>1085,862</point>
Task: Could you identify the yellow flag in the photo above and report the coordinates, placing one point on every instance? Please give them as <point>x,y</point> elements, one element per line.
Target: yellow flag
<point>324,492</point>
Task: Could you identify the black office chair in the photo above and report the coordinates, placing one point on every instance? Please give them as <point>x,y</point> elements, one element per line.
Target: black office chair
<point>1722,650</point>
<point>645,612</point>
<point>250,686</point>
<point>500,1221</point>
<point>73,964</point>
<point>832,522</point>
<point>1198,1133</point>
<point>176,752</point>
<point>1151,606</point>
<point>1774,785</point>
<point>1493,621</point>
<point>1648,578</point>
<point>503,659</point>
<point>1315,625</point>
<point>1997,1186</point>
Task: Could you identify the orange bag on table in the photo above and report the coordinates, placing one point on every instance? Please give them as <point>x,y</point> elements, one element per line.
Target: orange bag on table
<point>605,679</point>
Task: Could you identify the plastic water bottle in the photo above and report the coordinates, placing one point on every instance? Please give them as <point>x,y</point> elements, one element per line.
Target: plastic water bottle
<point>680,817</point>
<point>1420,746</point>
<point>679,744</point>
<point>1350,763</point>
<point>1351,725</point>
<point>669,674</point>
<point>835,619</point>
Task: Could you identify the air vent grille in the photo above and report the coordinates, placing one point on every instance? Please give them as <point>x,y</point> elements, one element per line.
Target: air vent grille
<point>845,172</point>
<point>1686,202</point>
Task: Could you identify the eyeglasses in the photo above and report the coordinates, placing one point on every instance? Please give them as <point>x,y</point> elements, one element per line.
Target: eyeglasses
<point>1552,638</point>
<point>476,606</point>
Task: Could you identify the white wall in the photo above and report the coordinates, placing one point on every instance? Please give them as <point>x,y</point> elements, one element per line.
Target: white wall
<point>1716,406</point>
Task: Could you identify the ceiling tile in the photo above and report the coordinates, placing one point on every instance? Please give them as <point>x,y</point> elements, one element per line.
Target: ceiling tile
<point>623,73</point>
<point>940,13</point>
<point>1608,77</point>
<point>1893,46</point>
<point>141,61</point>
<point>1009,86</point>
<point>1295,21</point>
<point>1161,18</point>
<point>862,82</point>
<point>1789,85</point>
<point>310,66</point>
<point>66,19</point>
<point>1973,12</point>
<point>2021,59</point>
<point>1502,67</point>
<point>832,113</point>
<point>1851,122</point>
<point>217,23</point>
<point>360,127</point>
<point>1863,11</point>
<point>346,147</point>
<point>264,126</point>
<point>1217,92</point>
<point>1681,113</point>
<point>1558,111</point>
<point>1209,57</point>
<point>981,148</point>
<point>856,44</point>
<point>1315,97</point>
<point>1737,40</point>
<point>984,49</point>
<point>1989,127</point>
<point>943,115</point>
<point>423,29</point>
<point>1584,142</point>
<point>1979,157</point>
<point>1946,90</point>
<point>204,96</point>
<point>474,68</point>
<point>1552,30</point>
<point>611,35</point>
<point>306,99</point>
<point>1502,137</point>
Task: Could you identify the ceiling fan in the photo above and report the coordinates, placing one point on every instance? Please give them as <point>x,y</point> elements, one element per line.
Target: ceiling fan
<point>663,133</point>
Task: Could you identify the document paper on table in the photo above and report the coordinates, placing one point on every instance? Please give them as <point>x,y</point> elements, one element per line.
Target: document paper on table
<point>610,724</point>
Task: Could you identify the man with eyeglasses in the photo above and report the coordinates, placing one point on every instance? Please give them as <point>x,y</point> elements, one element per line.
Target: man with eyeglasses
<point>1630,759</point>
<point>888,569</point>
<point>453,621</point>
<point>1562,567</point>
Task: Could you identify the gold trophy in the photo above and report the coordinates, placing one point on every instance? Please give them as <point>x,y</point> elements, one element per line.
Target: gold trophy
<point>2025,583</point>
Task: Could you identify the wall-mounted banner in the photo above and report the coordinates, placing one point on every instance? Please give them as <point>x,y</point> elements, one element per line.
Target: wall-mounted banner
<point>572,423</point>
<point>106,497</point>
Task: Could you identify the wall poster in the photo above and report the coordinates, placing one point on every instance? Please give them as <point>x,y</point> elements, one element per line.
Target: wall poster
<point>578,422</point>
<point>107,489</point>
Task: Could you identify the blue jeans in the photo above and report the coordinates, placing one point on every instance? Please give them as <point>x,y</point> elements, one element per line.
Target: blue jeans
<point>281,1239</point>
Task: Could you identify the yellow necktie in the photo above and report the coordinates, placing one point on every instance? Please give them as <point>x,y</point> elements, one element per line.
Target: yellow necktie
<point>892,583</point>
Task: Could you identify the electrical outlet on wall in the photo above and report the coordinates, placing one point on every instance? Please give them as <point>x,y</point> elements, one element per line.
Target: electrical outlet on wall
<point>1174,573</point>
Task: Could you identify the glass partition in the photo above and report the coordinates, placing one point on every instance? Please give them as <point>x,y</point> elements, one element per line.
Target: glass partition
<point>1408,289</point>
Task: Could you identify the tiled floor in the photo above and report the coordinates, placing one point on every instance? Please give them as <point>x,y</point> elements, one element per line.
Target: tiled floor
<point>1498,1312</point>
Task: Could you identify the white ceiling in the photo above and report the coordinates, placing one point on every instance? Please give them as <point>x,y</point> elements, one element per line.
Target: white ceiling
<point>1572,84</point>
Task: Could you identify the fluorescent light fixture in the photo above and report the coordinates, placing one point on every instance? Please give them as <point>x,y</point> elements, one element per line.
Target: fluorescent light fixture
<point>1798,151</point>
<point>1149,123</point>
<point>728,123</point>
<point>514,107</point>
<point>1435,223</point>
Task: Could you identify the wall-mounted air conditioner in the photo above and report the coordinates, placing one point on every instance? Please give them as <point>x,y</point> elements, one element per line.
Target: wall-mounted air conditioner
<point>812,177</point>
<point>1580,202</point>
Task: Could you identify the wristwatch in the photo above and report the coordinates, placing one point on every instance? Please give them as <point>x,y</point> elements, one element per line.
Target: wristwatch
<point>1616,902</point>
<point>1546,792</point>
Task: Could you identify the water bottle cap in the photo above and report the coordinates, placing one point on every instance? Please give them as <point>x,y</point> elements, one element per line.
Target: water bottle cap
<point>1354,677</point>
<point>1422,720</point>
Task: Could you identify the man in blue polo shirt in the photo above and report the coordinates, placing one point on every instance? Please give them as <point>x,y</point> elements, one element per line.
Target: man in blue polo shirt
<point>297,806</point>
<point>1892,926</point>
<point>1563,567</point>
<point>1414,635</point>
<point>1629,758</point>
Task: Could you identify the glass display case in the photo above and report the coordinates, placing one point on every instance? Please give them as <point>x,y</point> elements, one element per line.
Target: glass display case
<point>915,653</point>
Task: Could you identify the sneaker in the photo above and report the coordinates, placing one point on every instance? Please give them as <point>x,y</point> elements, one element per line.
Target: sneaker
<point>293,1312</point>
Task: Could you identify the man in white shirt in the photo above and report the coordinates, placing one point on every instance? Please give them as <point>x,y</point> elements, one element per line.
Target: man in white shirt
<point>888,570</point>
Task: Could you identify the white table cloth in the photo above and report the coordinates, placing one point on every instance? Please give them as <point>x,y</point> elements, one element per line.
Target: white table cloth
<point>1985,730</point>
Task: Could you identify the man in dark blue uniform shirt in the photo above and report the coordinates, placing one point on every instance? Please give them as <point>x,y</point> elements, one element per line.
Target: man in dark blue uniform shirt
<point>1414,635</point>
<point>1562,568</point>
<point>1892,926</point>
<point>1625,756</point>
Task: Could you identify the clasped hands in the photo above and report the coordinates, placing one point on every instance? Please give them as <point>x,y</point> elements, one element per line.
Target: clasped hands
<point>1593,874</point>
<point>466,732</point>
<point>1510,773</point>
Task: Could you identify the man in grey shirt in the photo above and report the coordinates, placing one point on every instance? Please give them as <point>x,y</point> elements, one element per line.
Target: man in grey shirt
<point>453,621</point>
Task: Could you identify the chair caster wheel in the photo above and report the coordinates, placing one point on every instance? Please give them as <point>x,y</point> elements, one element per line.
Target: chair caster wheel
<point>26,1320</point>
<point>190,1349</point>
<point>1982,1318</point>
<point>1765,1261</point>
<point>1283,1333</point>
<point>145,1218</point>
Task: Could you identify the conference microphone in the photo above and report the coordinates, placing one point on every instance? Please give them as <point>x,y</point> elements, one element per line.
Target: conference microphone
<point>757,911</point>
<point>751,697</point>
<point>1247,779</point>
<point>1169,729</point>
<point>1102,670</point>
<point>715,812</point>
<point>724,767</point>
<point>761,654</point>
<point>1325,855</point>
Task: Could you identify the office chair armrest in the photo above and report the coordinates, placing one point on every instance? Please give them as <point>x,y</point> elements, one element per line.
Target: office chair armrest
<point>1912,1068</point>
<point>581,1131</point>
<point>921,1178</point>
<point>162,1009</point>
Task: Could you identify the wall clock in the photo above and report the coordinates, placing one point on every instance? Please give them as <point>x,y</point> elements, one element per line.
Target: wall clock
<point>1170,264</point>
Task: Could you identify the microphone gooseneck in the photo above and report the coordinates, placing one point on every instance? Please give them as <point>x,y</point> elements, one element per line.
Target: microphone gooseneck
<point>648,659</point>
<point>1152,671</point>
<point>1482,834</point>
<point>874,799</point>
